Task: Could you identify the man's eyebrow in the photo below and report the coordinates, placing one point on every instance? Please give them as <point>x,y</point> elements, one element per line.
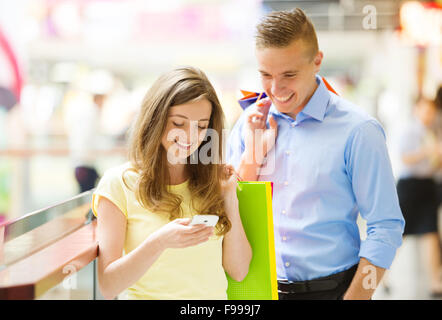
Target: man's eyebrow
<point>290,72</point>
<point>285,72</point>
<point>182,116</point>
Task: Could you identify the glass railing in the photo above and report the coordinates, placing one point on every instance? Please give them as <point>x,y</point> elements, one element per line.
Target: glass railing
<point>50,253</point>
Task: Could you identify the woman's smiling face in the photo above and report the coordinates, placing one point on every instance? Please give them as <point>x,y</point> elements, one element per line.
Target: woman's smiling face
<point>186,128</point>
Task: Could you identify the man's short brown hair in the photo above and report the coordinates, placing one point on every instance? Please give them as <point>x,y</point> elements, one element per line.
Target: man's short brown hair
<point>280,28</point>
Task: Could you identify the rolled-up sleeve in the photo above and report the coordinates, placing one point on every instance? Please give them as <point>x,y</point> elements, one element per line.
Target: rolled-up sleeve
<point>369,168</point>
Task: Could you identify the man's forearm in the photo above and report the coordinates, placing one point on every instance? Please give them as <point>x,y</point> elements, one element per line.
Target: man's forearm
<point>365,281</point>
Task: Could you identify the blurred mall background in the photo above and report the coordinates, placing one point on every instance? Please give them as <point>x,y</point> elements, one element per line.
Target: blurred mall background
<point>60,58</point>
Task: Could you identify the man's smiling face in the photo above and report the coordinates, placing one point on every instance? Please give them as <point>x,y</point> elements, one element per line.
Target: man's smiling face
<point>288,75</point>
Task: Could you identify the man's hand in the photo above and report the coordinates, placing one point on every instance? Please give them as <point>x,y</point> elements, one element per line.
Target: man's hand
<point>259,139</point>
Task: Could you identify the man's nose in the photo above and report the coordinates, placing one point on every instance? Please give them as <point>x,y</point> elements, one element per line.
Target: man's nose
<point>276,87</point>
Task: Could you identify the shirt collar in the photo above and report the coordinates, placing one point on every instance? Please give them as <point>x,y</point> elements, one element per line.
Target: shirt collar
<point>315,107</point>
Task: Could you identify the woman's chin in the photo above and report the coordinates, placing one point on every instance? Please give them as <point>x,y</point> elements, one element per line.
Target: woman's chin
<point>180,155</point>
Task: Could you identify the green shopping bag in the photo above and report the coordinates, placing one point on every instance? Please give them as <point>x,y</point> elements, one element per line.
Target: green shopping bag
<point>255,206</point>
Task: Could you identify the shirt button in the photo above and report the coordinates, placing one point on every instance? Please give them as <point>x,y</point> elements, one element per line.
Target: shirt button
<point>287,152</point>
<point>284,212</point>
<point>287,264</point>
<point>292,124</point>
<point>284,238</point>
<point>286,183</point>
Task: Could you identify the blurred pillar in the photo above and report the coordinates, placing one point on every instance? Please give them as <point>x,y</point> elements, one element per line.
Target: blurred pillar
<point>420,72</point>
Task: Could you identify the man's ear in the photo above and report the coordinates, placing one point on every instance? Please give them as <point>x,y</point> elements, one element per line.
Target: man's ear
<point>317,60</point>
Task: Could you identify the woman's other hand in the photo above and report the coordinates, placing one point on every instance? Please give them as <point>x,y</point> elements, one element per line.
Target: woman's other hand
<point>229,182</point>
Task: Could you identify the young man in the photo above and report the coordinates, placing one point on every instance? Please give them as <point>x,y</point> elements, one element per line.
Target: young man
<point>328,163</point>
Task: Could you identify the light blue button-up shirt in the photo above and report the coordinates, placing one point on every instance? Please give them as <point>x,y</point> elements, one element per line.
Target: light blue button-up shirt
<point>330,163</point>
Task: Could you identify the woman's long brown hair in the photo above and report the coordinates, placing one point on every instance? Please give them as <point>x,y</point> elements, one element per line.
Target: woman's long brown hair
<point>149,159</point>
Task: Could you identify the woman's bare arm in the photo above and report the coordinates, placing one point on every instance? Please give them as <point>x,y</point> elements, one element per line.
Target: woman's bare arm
<point>117,272</point>
<point>237,252</point>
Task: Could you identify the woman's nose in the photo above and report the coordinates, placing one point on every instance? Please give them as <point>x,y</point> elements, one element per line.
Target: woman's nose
<point>193,133</point>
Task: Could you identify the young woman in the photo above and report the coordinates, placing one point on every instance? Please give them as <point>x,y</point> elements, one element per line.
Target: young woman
<point>147,247</point>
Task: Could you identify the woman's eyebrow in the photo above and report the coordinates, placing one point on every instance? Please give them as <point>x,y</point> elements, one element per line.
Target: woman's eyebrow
<point>182,116</point>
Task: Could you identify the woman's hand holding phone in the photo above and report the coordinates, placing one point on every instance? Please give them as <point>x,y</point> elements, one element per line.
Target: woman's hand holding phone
<point>180,234</point>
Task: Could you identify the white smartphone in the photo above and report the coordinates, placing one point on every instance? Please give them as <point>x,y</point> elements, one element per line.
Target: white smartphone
<point>208,220</point>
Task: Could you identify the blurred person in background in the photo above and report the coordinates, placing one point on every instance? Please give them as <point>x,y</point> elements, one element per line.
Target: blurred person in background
<point>7,102</point>
<point>82,141</point>
<point>438,129</point>
<point>420,155</point>
<point>83,127</point>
